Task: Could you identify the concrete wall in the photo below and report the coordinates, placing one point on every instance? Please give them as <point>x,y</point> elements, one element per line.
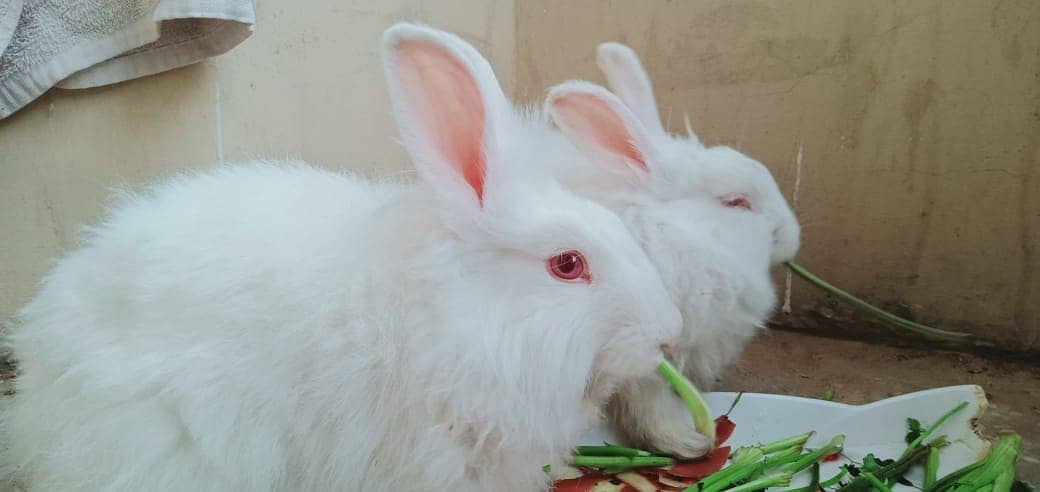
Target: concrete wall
<point>917,123</point>
<point>918,126</point>
<point>307,84</point>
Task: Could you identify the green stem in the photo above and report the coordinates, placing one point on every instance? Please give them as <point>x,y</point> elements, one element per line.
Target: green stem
<point>931,468</point>
<point>814,483</point>
<point>734,404</point>
<point>835,479</point>
<point>935,333</point>
<point>610,450</point>
<point>745,462</point>
<point>782,458</point>
<point>781,479</point>
<point>832,447</point>
<point>1005,480</point>
<point>917,442</point>
<point>736,474</point>
<point>897,469</point>
<point>621,461</point>
<point>951,479</point>
<point>830,482</point>
<point>784,444</point>
<point>878,484</point>
<point>1004,455</point>
<point>694,401</point>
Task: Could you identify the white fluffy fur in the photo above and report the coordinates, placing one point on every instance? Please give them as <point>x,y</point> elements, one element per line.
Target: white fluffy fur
<point>273,326</point>
<point>714,260</point>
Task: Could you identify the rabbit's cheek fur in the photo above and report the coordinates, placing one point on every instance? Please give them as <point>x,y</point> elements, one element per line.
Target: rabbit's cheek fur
<point>718,276</point>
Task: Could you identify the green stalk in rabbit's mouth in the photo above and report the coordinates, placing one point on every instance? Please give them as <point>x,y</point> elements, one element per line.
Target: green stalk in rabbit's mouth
<point>702,420</point>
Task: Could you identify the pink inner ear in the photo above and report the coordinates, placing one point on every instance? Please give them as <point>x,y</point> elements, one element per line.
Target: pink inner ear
<point>449,107</point>
<point>594,120</point>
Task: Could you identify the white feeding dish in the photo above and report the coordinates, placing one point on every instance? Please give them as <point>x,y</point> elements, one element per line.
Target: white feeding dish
<point>878,427</point>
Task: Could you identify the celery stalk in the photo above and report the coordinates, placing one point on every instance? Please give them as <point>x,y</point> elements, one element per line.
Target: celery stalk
<point>784,444</point>
<point>832,447</point>
<point>1005,480</point>
<point>878,484</point>
<point>781,479</point>
<point>931,468</point>
<point>702,420</point>
<point>620,461</point>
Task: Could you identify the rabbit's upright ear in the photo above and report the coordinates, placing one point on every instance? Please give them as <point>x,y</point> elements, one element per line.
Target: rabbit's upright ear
<point>598,121</point>
<point>630,82</point>
<point>447,103</point>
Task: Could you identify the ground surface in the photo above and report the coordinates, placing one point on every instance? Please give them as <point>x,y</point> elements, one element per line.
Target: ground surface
<point>795,364</point>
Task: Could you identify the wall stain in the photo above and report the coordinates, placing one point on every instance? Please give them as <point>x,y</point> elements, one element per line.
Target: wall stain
<point>1009,19</point>
<point>916,104</point>
<point>1025,305</point>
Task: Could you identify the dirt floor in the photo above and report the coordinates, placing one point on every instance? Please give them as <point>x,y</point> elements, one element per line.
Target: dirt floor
<point>803,365</point>
<point>796,364</point>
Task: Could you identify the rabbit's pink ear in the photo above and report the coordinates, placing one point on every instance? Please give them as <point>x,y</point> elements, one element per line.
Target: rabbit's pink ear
<point>595,119</point>
<point>627,78</point>
<point>439,98</point>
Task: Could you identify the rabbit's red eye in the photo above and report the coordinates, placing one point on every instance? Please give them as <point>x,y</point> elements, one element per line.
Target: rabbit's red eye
<point>569,266</point>
<point>737,201</point>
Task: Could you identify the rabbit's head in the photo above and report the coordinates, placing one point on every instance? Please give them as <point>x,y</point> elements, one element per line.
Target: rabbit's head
<point>678,166</point>
<point>530,275</point>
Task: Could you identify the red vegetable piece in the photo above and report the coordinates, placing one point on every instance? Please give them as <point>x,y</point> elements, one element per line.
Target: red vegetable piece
<point>831,457</point>
<point>723,429</point>
<point>703,467</point>
<point>584,483</point>
<point>671,482</point>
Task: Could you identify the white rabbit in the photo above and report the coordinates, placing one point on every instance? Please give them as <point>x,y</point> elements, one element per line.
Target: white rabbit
<point>273,326</point>
<point>711,219</point>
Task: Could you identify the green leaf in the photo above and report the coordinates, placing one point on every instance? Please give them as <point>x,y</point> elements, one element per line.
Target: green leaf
<point>913,430</point>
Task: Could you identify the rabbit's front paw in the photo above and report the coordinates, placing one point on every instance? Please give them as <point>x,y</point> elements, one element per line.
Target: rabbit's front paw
<point>677,437</point>
<point>654,417</point>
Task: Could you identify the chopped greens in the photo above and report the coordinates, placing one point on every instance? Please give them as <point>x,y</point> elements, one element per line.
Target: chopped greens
<point>774,464</point>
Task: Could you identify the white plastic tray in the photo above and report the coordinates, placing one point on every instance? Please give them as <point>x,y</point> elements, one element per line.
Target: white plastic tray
<point>878,427</point>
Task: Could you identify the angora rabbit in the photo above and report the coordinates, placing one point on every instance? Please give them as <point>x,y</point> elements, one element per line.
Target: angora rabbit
<point>273,326</point>
<point>712,220</point>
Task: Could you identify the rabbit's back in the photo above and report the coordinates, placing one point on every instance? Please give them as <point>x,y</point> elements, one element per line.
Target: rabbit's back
<point>187,323</point>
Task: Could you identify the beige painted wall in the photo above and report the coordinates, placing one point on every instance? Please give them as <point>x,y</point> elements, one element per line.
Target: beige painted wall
<point>918,125</point>
<point>307,84</point>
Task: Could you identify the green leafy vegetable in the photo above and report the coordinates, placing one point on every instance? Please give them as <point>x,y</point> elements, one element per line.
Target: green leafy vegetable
<point>916,442</point>
<point>913,430</point>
